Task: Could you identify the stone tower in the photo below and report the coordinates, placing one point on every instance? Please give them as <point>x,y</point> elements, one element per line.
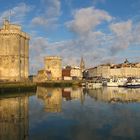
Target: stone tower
<point>14,53</point>
<point>53,65</point>
<point>82,64</point>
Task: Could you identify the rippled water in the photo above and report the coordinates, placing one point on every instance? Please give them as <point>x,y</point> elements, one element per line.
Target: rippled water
<point>71,114</point>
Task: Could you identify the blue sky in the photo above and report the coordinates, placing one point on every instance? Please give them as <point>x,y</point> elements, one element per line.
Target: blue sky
<point>101,31</point>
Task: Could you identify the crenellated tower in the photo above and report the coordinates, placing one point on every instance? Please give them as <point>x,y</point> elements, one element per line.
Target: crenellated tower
<point>14,53</point>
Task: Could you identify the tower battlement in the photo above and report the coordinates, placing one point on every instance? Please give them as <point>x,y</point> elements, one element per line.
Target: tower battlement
<point>14,52</point>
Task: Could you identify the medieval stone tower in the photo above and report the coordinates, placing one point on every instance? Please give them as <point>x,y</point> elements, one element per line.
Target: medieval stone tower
<point>14,53</point>
<point>53,65</point>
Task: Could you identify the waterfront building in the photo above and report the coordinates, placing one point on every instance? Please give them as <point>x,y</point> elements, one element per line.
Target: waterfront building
<point>72,73</point>
<point>42,76</point>
<point>14,53</point>
<point>53,64</point>
<point>122,70</point>
<point>52,69</point>
<point>76,73</point>
<point>66,73</point>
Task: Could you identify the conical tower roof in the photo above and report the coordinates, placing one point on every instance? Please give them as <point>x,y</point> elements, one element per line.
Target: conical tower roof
<point>82,64</point>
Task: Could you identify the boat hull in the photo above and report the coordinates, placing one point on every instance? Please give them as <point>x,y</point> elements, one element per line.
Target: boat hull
<point>133,86</point>
<point>111,84</point>
<point>94,85</point>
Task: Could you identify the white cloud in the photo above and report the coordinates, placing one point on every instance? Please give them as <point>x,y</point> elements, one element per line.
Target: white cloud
<point>95,47</point>
<point>51,10</point>
<point>93,44</point>
<point>125,35</point>
<point>48,23</point>
<point>136,34</point>
<point>86,20</point>
<point>38,47</point>
<point>70,50</point>
<point>39,21</point>
<point>121,28</point>
<point>87,44</point>
<point>17,13</point>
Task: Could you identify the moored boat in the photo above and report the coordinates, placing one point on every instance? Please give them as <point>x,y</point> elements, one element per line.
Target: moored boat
<point>97,85</point>
<point>92,85</point>
<point>134,83</point>
<point>120,82</point>
<point>112,83</point>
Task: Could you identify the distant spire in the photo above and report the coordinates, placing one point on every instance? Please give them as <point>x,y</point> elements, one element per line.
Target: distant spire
<point>126,61</point>
<point>82,64</point>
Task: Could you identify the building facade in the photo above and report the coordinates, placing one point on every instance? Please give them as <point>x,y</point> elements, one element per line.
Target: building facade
<point>52,70</point>
<point>53,64</point>
<point>66,74</point>
<point>14,53</point>
<point>72,73</point>
<point>125,69</point>
<point>76,73</point>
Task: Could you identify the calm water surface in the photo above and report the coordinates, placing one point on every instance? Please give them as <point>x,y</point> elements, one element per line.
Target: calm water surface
<point>71,114</point>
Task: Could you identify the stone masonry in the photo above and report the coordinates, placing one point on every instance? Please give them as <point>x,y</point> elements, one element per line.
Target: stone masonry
<point>14,53</point>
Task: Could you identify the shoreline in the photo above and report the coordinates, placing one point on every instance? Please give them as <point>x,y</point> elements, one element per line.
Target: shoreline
<point>31,86</point>
<point>6,87</point>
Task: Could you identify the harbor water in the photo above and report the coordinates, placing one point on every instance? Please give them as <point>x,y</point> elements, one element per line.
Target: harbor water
<point>109,113</point>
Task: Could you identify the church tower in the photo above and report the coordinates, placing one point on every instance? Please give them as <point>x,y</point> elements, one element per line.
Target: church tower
<point>82,64</point>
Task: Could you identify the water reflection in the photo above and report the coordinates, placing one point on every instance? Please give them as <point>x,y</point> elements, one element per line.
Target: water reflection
<point>73,94</point>
<point>14,118</point>
<point>115,94</point>
<point>84,118</point>
<point>77,114</point>
<point>52,98</point>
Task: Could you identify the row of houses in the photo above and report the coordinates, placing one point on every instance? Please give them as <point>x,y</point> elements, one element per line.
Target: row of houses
<point>125,69</point>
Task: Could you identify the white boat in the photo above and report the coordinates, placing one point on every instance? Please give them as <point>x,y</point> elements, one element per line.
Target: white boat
<point>122,82</point>
<point>117,83</point>
<point>92,85</point>
<point>134,83</point>
<point>112,83</point>
<point>97,85</point>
